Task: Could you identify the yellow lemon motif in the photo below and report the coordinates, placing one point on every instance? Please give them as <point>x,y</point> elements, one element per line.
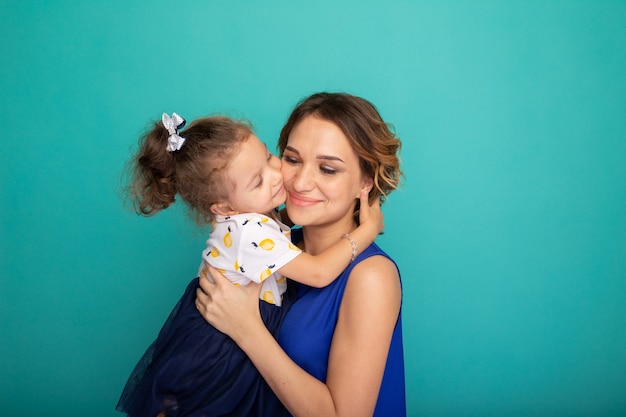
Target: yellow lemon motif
<point>268,297</point>
<point>228,240</point>
<point>280,279</point>
<point>221,271</point>
<point>293,247</point>
<point>237,265</point>
<point>265,274</point>
<point>264,220</point>
<point>214,252</point>
<point>267,244</point>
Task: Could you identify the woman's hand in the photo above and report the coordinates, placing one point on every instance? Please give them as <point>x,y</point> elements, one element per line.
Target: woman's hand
<point>230,309</point>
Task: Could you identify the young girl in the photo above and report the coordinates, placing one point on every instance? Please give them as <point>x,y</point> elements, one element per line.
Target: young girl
<point>227,177</point>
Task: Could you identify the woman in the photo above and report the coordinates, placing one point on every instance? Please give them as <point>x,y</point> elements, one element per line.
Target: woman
<point>339,351</point>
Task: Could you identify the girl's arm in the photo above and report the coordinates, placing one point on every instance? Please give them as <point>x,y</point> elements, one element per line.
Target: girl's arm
<point>322,269</point>
<point>359,348</point>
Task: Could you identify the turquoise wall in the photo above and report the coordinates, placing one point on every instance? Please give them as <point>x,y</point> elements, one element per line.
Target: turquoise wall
<point>510,228</point>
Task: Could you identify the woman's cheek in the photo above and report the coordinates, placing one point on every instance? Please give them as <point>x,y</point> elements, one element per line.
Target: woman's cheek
<point>288,175</point>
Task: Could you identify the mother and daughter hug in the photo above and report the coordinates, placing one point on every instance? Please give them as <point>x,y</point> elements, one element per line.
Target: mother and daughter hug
<point>312,324</point>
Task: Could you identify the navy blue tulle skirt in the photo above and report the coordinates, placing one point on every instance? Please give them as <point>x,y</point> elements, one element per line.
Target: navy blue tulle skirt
<point>192,369</point>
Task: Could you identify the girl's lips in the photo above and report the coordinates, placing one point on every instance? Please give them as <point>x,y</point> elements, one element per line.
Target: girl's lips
<point>301,201</point>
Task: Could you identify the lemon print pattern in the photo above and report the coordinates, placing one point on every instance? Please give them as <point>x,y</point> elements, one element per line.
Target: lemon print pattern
<point>267,244</point>
<point>228,240</point>
<point>246,247</point>
<point>265,274</point>
<point>268,297</point>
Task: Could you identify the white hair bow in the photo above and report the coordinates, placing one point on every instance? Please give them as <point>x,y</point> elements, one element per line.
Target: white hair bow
<point>172,124</point>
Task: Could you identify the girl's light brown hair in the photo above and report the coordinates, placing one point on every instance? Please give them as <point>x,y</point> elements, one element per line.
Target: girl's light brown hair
<point>194,172</point>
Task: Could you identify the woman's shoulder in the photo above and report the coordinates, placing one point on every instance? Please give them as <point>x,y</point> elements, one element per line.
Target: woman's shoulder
<point>377,274</point>
<point>375,260</point>
<point>376,266</point>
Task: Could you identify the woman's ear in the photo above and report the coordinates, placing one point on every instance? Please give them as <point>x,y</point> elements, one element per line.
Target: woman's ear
<point>223,209</point>
<point>367,185</point>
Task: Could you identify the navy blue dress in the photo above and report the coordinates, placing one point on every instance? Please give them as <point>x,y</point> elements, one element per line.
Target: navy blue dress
<point>307,332</point>
<point>192,369</point>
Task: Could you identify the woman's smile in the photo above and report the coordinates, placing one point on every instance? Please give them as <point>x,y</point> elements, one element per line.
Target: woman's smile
<point>300,200</point>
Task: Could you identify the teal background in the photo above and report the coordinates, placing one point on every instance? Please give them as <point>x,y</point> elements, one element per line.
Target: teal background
<point>510,227</point>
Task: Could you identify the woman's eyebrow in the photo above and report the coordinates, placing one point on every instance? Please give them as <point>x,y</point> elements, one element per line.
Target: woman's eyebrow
<point>323,157</point>
<point>329,158</point>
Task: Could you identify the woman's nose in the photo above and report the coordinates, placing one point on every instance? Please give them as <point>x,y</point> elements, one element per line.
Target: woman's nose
<point>302,179</point>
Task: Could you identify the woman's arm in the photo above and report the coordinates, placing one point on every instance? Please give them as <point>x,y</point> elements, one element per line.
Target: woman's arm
<point>322,269</point>
<point>358,354</point>
<point>369,312</point>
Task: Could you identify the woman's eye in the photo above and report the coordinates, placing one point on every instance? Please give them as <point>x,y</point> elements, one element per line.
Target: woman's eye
<point>327,170</point>
<point>290,160</point>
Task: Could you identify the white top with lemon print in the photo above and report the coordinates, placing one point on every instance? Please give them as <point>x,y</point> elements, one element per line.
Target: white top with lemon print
<point>251,247</point>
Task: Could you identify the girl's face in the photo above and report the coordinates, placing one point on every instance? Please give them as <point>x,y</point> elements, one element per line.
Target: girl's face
<point>255,180</point>
<point>321,173</point>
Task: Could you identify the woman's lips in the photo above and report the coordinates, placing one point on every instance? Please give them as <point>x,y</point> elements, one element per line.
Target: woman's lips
<point>301,201</point>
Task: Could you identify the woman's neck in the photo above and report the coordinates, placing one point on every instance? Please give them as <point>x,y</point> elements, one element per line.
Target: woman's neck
<point>316,239</point>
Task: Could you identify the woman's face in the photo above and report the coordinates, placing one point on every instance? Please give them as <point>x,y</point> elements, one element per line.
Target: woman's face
<point>321,174</point>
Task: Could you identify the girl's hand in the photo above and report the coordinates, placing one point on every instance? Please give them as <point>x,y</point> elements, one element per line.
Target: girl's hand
<point>230,309</point>
<point>371,216</point>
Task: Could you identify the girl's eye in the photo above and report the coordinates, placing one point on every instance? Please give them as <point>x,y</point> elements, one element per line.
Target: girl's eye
<point>290,160</point>
<point>260,183</point>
